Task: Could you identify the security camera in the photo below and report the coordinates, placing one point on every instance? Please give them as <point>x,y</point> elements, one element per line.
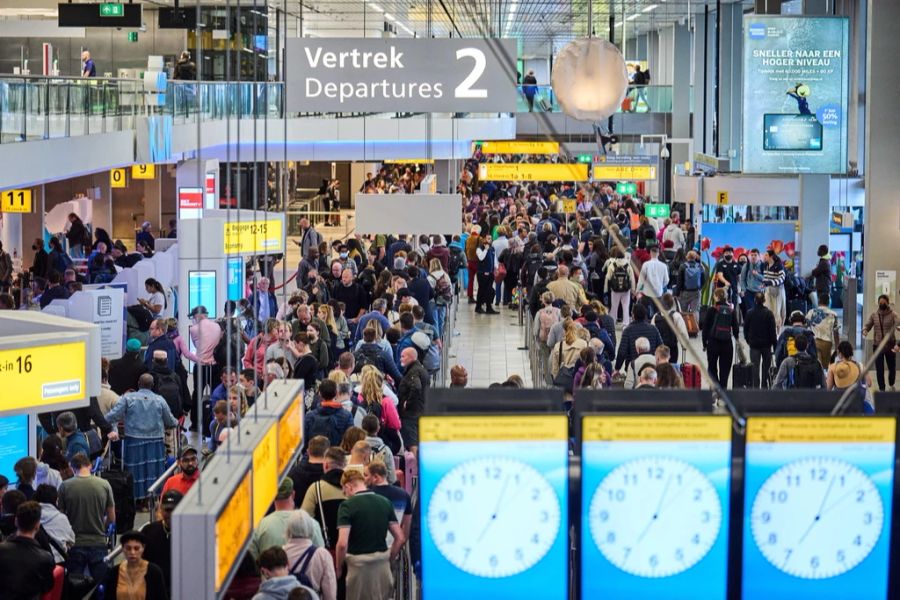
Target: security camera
<point>664,153</point>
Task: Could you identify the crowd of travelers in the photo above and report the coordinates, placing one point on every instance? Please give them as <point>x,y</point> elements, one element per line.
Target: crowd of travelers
<point>610,295</point>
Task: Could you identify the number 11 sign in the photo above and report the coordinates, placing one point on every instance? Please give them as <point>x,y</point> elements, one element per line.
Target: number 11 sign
<point>15,201</point>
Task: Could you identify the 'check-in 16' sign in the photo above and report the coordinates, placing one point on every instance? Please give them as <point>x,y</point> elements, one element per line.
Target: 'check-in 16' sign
<point>400,75</point>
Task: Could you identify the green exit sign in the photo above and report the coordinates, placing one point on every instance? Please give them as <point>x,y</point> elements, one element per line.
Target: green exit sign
<point>623,188</point>
<point>585,158</point>
<point>132,36</point>
<point>657,211</point>
<point>112,9</point>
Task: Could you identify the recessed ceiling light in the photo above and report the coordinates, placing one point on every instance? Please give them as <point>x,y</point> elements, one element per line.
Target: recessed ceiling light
<point>376,7</point>
<point>649,8</point>
<point>631,18</point>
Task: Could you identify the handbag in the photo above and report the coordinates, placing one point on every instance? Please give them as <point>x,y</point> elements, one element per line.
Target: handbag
<point>565,376</point>
<point>95,446</point>
<point>500,273</point>
<point>78,585</point>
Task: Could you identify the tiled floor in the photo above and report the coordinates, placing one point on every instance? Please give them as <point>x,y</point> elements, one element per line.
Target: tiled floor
<point>488,346</point>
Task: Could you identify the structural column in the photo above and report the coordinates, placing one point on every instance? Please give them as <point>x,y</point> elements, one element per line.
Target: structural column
<point>730,70</point>
<point>815,219</point>
<point>680,59</point>
<point>882,212</point>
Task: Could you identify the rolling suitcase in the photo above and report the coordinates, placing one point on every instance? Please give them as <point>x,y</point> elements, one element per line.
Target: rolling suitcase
<point>742,373</point>
<point>122,484</point>
<point>407,471</point>
<point>691,376</point>
<point>690,322</point>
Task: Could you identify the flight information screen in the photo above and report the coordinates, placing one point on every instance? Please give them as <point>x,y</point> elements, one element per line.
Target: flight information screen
<point>494,506</point>
<point>655,506</point>
<point>817,507</point>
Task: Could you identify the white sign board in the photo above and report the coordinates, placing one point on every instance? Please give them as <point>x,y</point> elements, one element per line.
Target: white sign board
<point>105,308</point>
<point>400,75</point>
<point>409,213</point>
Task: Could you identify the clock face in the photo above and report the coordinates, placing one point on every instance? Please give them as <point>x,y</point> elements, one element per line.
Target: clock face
<point>655,516</point>
<point>494,516</point>
<point>816,518</point>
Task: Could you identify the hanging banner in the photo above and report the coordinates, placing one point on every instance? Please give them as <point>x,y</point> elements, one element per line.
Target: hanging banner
<point>532,172</point>
<point>398,75</point>
<point>796,77</point>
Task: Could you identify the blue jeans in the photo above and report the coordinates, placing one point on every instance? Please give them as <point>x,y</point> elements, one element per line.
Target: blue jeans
<point>439,315</point>
<point>90,558</point>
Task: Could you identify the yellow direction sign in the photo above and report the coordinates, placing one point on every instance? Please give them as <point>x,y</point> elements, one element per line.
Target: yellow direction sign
<point>569,206</point>
<point>233,527</point>
<point>15,201</point>
<point>38,376</point>
<point>511,147</point>
<point>253,237</point>
<point>532,172</point>
<point>624,172</point>
<point>722,198</point>
<point>143,171</point>
<point>117,178</point>
<point>265,473</point>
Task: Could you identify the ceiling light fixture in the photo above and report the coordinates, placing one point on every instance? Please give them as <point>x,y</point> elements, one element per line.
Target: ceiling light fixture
<point>376,7</point>
<point>649,8</point>
<point>631,18</point>
<point>390,17</point>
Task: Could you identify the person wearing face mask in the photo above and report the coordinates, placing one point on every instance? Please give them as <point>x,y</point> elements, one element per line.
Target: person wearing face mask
<point>883,323</point>
<point>39,266</point>
<point>727,273</point>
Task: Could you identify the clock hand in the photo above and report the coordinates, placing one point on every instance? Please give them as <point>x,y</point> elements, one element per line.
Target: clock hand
<point>819,512</point>
<point>496,508</point>
<point>657,511</point>
<point>841,499</point>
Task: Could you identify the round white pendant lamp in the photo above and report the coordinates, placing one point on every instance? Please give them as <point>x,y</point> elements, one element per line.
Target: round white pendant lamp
<point>590,79</point>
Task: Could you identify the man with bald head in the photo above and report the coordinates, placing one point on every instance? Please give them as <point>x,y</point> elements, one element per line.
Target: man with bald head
<point>567,290</point>
<point>88,69</point>
<point>411,393</point>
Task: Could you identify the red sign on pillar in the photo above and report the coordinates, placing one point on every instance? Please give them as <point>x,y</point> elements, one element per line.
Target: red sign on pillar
<point>190,203</point>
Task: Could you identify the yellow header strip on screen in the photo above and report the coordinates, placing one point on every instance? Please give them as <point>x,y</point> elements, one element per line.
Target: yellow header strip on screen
<point>655,428</point>
<point>507,147</point>
<point>821,429</point>
<point>532,172</point>
<point>487,428</point>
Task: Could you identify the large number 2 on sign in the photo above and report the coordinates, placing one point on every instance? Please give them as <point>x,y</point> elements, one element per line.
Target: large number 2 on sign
<point>464,89</point>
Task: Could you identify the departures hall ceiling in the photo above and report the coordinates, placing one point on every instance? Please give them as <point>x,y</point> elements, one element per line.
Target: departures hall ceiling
<point>541,26</point>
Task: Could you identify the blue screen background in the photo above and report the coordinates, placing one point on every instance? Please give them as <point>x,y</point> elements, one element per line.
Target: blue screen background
<point>13,443</point>
<point>869,578</point>
<point>443,580</point>
<point>706,579</point>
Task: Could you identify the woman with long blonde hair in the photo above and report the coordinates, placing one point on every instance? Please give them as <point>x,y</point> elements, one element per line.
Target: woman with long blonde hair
<point>372,399</point>
<point>567,351</point>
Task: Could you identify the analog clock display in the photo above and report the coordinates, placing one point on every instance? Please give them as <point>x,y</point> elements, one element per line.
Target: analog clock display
<point>655,517</point>
<point>494,516</point>
<point>816,518</point>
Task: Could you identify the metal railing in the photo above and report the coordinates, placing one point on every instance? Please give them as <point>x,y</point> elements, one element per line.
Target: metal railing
<point>537,359</point>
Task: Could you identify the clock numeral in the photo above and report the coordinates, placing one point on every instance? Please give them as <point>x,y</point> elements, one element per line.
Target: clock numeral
<point>860,495</point>
<point>627,552</point>
<point>450,537</point>
<point>787,554</point>
<point>793,480</point>
<point>545,516</point>
<point>611,537</point>
<point>467,551</point>
<point>468,479</point>
<point>814,562</point>
<point>630,478</point>
<point>535,493</point>
<point>698,493</point>
<point>679,555</point>
<point>519,554</point>
<point>655,472</point>
<point>819,474</point>
<point>841,556</point>
<point>493,472</point>
<point>695,539</point>
<point>455,495</point>
<point>493,561</point>
<point>773,539</point>
<point>617,495</point>
<point>857,541</point>
<point>654,561</point>
<point>705,516</point>
<point>779,496</point>
<point>443,516</point>
<point>535,539</point>
<point>766,516</point>
<point>867,518</point>
<point>604,516</point>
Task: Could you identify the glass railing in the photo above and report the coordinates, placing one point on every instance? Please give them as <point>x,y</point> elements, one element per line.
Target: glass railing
<point>639,99</point>
<point>36,108</point>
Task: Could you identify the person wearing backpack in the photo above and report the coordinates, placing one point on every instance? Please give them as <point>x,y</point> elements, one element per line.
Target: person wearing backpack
<point>883,323</point>
<point>381,452</point>
<point>544,320</point>
<point>168,385</point>
<point>666,332</point>
<point>719,330</point>
<point>750,283</point>
<point>330,418</point>
<point>759,333</point>
<point>620,281</point>
<point>787,340</point>
<point>800,371</point>
<point>312,565</point>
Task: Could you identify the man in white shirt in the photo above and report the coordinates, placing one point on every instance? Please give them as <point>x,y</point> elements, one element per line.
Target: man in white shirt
<point>654,276</point>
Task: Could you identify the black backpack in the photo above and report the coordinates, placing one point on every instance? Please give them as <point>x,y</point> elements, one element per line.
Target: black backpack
<point>168,385</point>
<point>806,373</point>
<point>301,575</point>
<point>329,426</point>
<point>665,331</point>
<point>722,324</point>
<point>457,261</point>
<point>620,281</point>
<point>368,356</point>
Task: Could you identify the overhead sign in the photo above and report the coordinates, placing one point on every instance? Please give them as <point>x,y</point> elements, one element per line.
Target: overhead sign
<point>817,507</point>
<point>111,9</point>
<point>655,502</point>
<point>15,201</point>
<point>253,237</point>
<point>289,432</point>
<point>409,161</point>
<point>796,80</point>
<point>569,206</point>
<point>532,172</point>
<point>233,527</point>
<point>265,473</point>
<point>391,75</point>
<point>624,188</point>
<point>722,198</point>
<point>517,147</point>
<point>623,167</point>
<point>39,376</point>
<point>658,211</point>
<point>509,475</point>
<point>143,171</point>
<point>117,178</point>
